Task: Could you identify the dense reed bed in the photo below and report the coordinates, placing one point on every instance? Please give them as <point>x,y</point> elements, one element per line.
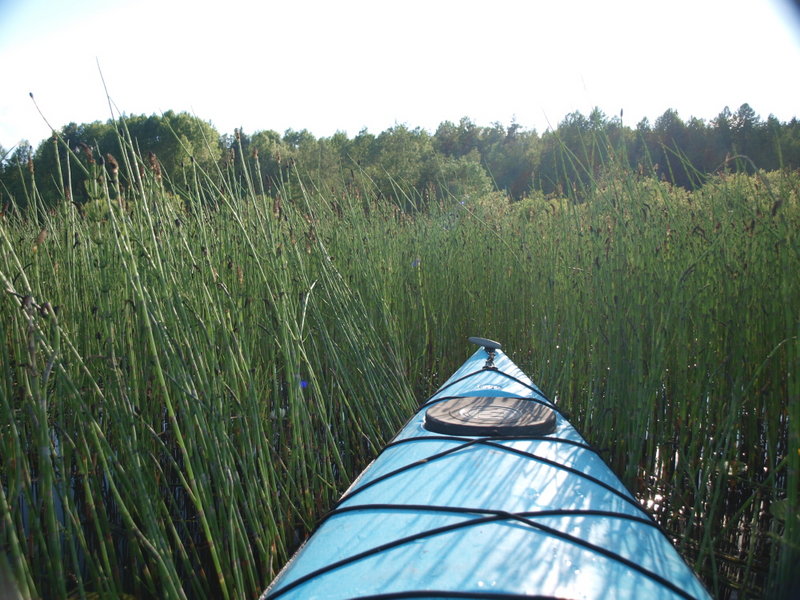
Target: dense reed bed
<point>189,380</point>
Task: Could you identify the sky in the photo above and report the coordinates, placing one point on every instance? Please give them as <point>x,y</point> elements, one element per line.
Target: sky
<point>347,65</point>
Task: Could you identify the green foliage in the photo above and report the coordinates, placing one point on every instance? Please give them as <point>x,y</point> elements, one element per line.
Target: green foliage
<point>462,178</point>
<point>402,162</point>
<point>408,166</point>
<point>16,177</point>
<point>182,362</point>
<point>74,163</point>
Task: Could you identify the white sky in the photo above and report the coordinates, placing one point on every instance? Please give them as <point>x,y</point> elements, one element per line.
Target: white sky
<point>350,64</point>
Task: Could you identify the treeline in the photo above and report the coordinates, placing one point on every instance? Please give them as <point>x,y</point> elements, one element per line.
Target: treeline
<point>409,166</point>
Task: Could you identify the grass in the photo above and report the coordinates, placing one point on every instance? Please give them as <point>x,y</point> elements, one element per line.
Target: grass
<point>190,379</point>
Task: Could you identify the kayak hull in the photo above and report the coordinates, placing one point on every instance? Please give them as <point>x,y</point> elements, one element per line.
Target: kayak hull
<point>487,516</point>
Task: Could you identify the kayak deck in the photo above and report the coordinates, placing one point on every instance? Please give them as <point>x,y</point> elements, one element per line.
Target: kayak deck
<point>487,516</point>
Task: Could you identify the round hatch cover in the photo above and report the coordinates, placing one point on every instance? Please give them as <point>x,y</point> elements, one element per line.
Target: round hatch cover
<point>490,415</point>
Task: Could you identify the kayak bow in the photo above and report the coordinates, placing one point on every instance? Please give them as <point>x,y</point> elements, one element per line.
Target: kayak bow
<point>487,492</point>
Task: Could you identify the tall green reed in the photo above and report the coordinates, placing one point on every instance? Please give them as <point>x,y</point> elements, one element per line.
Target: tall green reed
<point>665,323</point>
<point>179,391</point>
<point>192,374</point>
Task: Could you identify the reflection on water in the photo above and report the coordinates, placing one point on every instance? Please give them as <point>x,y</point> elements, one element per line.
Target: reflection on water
<point>683,497</point>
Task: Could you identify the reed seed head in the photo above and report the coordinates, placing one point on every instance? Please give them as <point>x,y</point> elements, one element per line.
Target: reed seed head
<point>88,153</point>
<point>155,166</point>
<point>113,166</point>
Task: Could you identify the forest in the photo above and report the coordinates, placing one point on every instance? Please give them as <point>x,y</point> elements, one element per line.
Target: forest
<point>407,165</point>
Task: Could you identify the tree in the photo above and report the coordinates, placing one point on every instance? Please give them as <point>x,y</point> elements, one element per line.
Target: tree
<point>789,144</point>
<point>16,175</point>
<point>445,140</point>
<point>362,149</point>
<point>745,119</point>
<point>180,141</point>
<point>457,140</point>
<point>297,139</point>
<point>195,141</point>
<point>66,160</point>
<point>510,160</point>
<point>403,167</point>
<point>566,157</point>
<point>744,126</point>
<point>462,178</point>
<point>271,154</point>
<point>70,162</point>
<point>696,148</point>
<point>722,137</point>
<point>670,134</point>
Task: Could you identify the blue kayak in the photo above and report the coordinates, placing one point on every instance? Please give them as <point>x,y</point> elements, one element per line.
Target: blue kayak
<point>487,492</point>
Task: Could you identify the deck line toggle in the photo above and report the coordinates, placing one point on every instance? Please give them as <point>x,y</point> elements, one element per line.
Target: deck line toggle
<point>490,346</point>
